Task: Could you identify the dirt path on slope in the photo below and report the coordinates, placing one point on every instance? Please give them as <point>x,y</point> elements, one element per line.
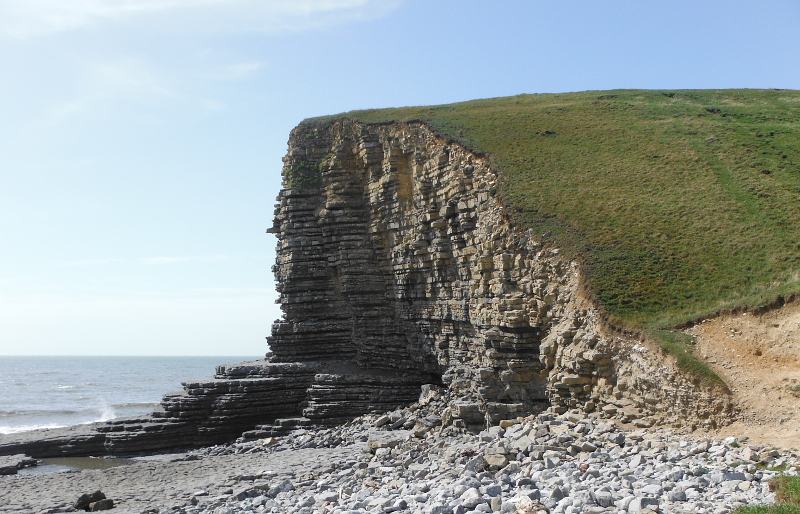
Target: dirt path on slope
<point>758,356</point>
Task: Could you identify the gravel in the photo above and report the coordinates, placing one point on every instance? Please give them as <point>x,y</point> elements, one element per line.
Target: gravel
<point>570,463</point>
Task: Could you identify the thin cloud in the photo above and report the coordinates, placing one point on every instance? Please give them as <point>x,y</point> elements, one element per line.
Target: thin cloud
<point>88,262</point>
<point>238,291</point>
<point>31,18</point>
<point>131,79</point>
<point>126,80</point>
<point>63,112</point>
<point>176,260</point>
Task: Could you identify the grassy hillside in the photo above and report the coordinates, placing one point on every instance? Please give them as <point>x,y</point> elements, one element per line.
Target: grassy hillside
<point>679,203</point>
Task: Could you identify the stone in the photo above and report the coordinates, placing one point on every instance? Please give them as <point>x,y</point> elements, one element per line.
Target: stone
<point>603,498</point>
<point>527,506</point>
<point>11,464</point>
<point>493,490</point>
<point>749,454</point>
<point>617,438</point>
<point>84,500</point>
<point>652,490</point>
<point>557,494</point>
<point>326,497</point>
<point>99,505</point>
<point>495,461</point>
<point>639,503</point>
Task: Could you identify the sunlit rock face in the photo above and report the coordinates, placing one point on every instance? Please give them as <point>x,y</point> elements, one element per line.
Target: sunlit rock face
<point>394,255</point>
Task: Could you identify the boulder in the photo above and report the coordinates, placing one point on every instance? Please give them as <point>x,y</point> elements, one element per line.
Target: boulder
<point>85,500</point>
<point>105,504</point>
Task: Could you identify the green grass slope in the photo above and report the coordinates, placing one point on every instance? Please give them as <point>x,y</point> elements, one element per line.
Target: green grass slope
<point>679,203</point>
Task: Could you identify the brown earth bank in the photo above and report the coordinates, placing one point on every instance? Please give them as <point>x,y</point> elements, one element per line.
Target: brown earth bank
<point>758,356</point>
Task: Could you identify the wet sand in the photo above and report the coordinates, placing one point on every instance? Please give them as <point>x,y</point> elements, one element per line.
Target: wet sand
<point>159,481</point>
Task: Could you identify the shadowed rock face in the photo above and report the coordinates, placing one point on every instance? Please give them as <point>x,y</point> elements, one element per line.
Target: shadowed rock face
<point>393,255</point>
<point>397,267</point>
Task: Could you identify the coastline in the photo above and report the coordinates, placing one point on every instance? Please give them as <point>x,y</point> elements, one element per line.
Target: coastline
<point>407,461</point>
<point>49,391</point>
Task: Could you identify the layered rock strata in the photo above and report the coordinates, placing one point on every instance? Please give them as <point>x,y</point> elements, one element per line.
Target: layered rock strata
<point>394,254</point>
<point>259,396</point>
<point>398,267</point>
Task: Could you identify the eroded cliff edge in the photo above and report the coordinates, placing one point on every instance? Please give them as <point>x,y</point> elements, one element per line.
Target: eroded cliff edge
<point>395,255</point>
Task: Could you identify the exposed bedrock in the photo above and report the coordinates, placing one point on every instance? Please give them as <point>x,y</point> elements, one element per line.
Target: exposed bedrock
<point>242,397</point>
<point>397,267</point>
<point>394,254</point>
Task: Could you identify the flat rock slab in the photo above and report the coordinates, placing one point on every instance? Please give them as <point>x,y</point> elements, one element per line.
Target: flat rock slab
<point>9,465</point>
<point>136,487</point>
<point>81,439</point>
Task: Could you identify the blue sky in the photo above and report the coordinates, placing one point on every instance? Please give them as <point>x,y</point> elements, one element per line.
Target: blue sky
<point>141,140</point>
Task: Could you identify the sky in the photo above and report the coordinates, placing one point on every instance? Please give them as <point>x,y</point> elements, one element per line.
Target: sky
<point>141,140</point>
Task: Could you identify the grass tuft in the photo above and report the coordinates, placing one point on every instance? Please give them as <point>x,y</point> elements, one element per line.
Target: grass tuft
<point>768,509</point>
<point>304,176</point>
<point>681,346</point>
<point>787,489</point>
<point>787,493</point>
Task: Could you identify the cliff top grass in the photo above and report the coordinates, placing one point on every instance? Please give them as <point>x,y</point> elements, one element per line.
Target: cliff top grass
<point>679,203</point>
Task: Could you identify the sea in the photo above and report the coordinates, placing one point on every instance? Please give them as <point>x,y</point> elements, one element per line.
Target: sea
<point>56,391</point>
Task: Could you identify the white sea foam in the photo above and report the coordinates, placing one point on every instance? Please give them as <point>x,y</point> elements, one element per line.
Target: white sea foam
<point>26,428</point>
<point>108,413</point>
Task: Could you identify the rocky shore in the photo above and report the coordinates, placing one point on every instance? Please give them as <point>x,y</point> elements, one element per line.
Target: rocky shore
<point>399,271</point>
<point>408,461</point>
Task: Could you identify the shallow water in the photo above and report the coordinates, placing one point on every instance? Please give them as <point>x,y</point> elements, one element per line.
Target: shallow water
<point>63,464</point>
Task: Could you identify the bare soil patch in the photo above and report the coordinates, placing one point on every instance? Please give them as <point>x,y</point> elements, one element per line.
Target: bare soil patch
<point>758,356</point>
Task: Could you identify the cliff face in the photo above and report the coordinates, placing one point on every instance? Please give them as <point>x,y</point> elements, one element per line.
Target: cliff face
<point>397,267</point>
<point>395,256</point>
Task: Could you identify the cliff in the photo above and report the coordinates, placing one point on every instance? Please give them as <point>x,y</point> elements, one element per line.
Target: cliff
<point>394,254</point>
<point>397,266</point>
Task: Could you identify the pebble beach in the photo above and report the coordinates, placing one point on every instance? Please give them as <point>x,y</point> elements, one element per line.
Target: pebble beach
<point>405,461</point>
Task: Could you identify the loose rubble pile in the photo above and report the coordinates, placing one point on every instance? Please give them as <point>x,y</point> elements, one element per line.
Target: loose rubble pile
<point>569,463</point>
<point>419,460</point>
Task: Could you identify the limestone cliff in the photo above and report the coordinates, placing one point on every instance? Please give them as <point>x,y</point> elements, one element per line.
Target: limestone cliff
<point>395,255</point>
<point>397,267</point>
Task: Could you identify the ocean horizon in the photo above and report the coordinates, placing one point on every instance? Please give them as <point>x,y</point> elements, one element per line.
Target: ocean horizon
<point>56,391</point>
